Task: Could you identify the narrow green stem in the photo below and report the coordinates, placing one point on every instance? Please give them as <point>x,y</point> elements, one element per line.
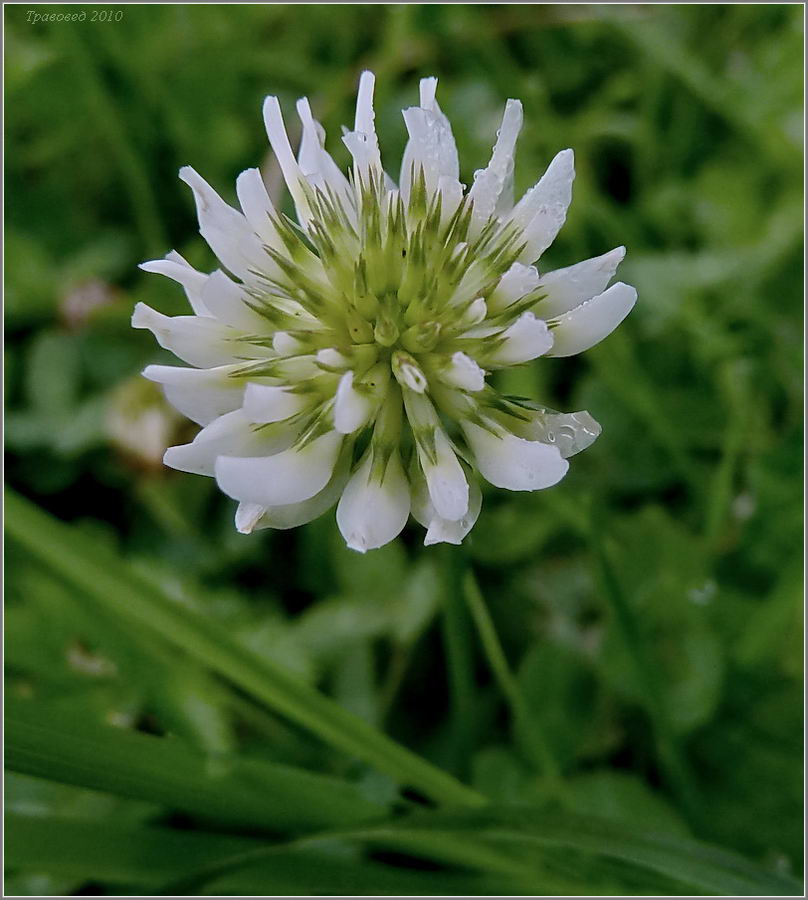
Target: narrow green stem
<point>457,644</point>
<point>732,445</point>
<point>396,669</point>
<point>509,686</point>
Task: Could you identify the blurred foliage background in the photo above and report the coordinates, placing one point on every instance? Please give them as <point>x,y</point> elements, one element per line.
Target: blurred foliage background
<point>649,607</point>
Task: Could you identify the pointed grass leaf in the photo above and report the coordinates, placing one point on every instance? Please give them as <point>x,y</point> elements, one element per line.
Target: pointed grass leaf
<point>105,577</point>
<point>232,790</point>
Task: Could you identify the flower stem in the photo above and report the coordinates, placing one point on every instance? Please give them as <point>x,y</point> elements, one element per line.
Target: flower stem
<point>523,720</point>
<point>459,672</point>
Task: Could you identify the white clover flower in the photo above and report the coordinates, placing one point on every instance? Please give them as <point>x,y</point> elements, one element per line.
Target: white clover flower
<point>344,357</point>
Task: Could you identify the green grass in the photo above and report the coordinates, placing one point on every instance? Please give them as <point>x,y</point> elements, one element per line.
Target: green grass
<point>602,691</point>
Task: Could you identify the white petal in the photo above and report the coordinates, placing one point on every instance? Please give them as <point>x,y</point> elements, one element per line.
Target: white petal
<point>227,301</point>
<point>446,480</point>
<point>230,435</point>
<point>331,358</point>
<point>444,475</point>
<point>442,530</point>
<point>179,270</point>
<point>420,503</point>
<point>570,432</point>
<point>432,147</point>
<point>588,324</point>
<point>225,229</point>
<point>451,191</point>
<point>427,88</point>
<point>371,512</point>
<point>463,372</point>
<point>278,138</point>
<point>248,515</point>
<point>485,330</point>
<point>543,209</point>
<point>296,368</point>
<point>475,278</point>
<point>352,408</point>
<point>287,477</point>
<point>311,141</point>
<point>200,394</point>
<point>526,339</point>
<point>362,141</point>
<point>518,281</point>
<point>365,118</point>
<point>198,340</point>
<point>511,462</point>
<point>408,373</point>
<point>565,289</point>
<point>475,313</point>
<point>251,517</point>
<point>285,344</point>
<point>316,164</point>
<point>257,207</point>
<point>273,403</point>
<point>357,145</point>
<point>493,186</point>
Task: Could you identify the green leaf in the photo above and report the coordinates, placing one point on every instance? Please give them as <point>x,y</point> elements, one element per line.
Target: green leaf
<point>624,798</point>
<point>107,580</point>
<point>40,884</point>
<point>151,856</point>
<point>28,795</point>
<point>88,652</point>
<point>235,790</point>
<point>447,835</point>
<point>302,873</point>
<point>560,693</point>
<point>775,625</point>
<point>541,850</point>
<point>500,774</point>
<point>145,856</point>
<point>669,602</point>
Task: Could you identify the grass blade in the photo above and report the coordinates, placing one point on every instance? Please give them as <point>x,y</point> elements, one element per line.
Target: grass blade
<point>141,855</point>
<point>547,841</point>
<point>108,579</point>
<point>520,711</point>
<point>700,866</point>
<point>238,791</point>
<point>546,852</point>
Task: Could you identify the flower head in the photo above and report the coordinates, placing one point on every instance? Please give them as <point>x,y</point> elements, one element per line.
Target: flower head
<point>344,358</point>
